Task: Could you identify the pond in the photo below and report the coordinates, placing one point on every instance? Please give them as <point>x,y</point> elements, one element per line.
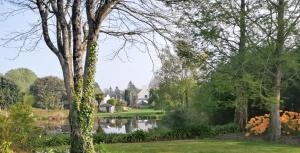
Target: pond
<point>109,125</point>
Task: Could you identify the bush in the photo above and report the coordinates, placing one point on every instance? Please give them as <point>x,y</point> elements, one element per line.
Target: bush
<point>112,101</point>
<point>50,141</point>
<point>9,93</point>
<point>224,129</point>
<point>161,134</point>
<point>5,147</point>
<point>18,127</point>
<point>290,122</point>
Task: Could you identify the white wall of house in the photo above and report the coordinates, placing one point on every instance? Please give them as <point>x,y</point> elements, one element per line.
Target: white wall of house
<point>110,109</point>
<point>106,98</point>
<point>143,96</point>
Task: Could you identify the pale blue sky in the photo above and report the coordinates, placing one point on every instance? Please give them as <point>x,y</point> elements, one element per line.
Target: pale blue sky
<point>43,62</point>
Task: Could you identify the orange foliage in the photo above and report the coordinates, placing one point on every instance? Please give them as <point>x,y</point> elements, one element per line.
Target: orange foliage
<point>290,123</point>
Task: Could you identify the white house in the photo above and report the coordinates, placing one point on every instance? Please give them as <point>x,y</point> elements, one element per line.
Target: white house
<point>142,97</point>
<point>106,98</point>
<point>107,108</point>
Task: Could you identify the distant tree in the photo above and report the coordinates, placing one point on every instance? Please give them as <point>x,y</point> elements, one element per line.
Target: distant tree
<point>153,98</point>
<point>130,94</point>
<point>23,77</point>
<point>49,92</point>
<point>118,93</point>
<point>99,97</point>
<point>132,87</point>
<point>110,92</point>
<point>97,88</point>
<point>9,93</point>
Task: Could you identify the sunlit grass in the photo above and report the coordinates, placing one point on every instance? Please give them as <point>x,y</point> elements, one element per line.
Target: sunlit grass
<point>201,146</point>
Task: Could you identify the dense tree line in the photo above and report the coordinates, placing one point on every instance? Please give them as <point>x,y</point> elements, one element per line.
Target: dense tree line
<point>249,58</point>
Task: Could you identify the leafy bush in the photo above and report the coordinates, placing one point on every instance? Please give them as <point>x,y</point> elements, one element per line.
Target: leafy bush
<point>18,127</point>
<point>224,129</point>
<point>112,101</point>
<point>290,122</point>
<point>50,140</point>
<point>161,134</point>
<point>5,147</point>
<point>9,93</point>
<point>21,126</point>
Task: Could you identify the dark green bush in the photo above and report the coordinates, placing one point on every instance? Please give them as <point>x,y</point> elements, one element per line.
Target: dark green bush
<point>224,129</point>
<point>192,132</point>
<point>50,141</point>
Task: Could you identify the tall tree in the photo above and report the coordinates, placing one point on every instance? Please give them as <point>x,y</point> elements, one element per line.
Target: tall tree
<point>77,26</point>
<point>219,29</point>
<point>23,77</point>
<point>9,93</point>
<point>275,124</point>
<point>276,27</point>
<point>48,92</point>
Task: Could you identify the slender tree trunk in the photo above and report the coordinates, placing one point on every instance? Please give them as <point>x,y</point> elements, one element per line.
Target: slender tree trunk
<point>241,112</point>
<point>275,125</point>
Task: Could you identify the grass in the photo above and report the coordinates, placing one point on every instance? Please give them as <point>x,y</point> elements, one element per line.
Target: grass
<point>197,146</point>
<point>43,114</point>
<point>201,146</point>
<point>133,113</point>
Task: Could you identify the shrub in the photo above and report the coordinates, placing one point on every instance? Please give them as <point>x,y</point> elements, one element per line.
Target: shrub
<point>112,101</point>
<point>224,129</point>
<point>9,93</point>
<point>50,141</point>
<point>161,134</point>
<point>290,122</point>
<point>5,147</point>
<point>18,127</point>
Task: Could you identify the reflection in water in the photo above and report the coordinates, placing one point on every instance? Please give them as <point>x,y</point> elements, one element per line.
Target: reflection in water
<point>125,125</point>
<point>111,125</point>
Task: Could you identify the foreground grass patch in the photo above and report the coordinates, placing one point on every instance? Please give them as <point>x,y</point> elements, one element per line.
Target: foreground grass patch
<point>201,146</point>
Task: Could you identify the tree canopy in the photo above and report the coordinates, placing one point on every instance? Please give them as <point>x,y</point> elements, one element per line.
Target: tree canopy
<point>49,93</point>
<point>23,77</point>
<point>9,93</point>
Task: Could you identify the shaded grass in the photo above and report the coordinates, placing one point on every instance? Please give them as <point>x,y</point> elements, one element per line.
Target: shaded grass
<point>201,146</point>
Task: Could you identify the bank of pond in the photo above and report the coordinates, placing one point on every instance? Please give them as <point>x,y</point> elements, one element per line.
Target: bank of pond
<point>155,134</point>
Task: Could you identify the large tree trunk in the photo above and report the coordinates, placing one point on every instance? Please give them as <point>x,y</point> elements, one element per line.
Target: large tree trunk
<point>79,85</point>
<point>81,113</point>
<point>275,125</point>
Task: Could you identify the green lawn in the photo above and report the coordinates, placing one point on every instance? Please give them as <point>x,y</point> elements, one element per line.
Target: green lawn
<point>133,113</point>
<point>201,146</point>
